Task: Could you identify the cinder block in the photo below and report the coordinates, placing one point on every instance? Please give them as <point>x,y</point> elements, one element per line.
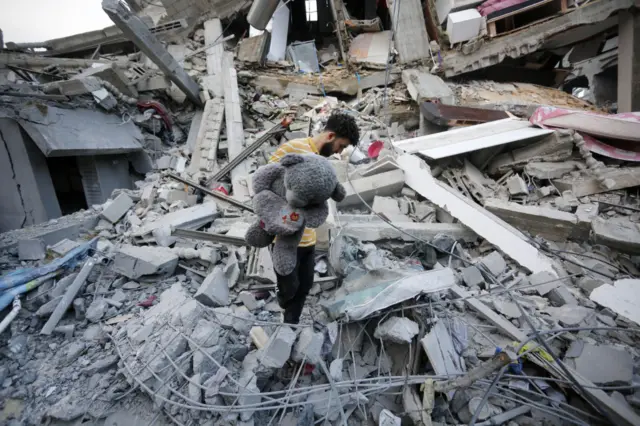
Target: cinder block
<point>214,290</point>
<point>135,262</point>
<point>464,25</point>
<point>32,249</point>
<point>278,350</point>
<point>118,208</point>
<point>112,74</point>
<point>384,184</point>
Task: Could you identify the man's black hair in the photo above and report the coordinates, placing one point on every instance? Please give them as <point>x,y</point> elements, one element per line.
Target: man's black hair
<point>344,126</point>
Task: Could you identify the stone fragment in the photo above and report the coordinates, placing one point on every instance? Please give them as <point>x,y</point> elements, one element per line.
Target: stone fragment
<point>79,308</point>
<point>96,310</point>
<point>622,298</point>
<point>278,350</point>
<point>604,365</point>
<point>214,290</point>
<point>248,300</point>
<point>517,186</point>
<point>397,329</point>
<point>309,346</point>
<point>48,308</point>
<point>117,208</point>
<point>195,392</point>
<point>74,350</point>
<point>102,365</point>
<point>31,249</point>
<point>539,278</point>
<point>495,263</point>
<point>135,262</point>
<point>506,308</point>
<point>204,335</point>
<point>225,317</point>
<point>472,276</point>
<point>259,337</point>
<point>243,320</point>
<point>561,296</point>
<point>569,315</point>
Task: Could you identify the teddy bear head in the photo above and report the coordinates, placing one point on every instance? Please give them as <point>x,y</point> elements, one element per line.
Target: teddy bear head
<point>310,179</point>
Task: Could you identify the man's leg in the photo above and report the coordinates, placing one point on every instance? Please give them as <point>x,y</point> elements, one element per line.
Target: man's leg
<point>305,273</point>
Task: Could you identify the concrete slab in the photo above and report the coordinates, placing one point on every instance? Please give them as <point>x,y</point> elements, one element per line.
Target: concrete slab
<point>550,170</point>
<point>604,365</point>
<point>135,262</point>
<point>214,290</point>
<point>189,218</point>
<point>411,39</point>
<point>308,347</point>
<point>31,249</point>
<point>617,233</point>
<point>399,330</point>
<point>278,349</point>
<point>385,184</point>
<point>112,74</point>
<point>622,298</point>
<point>117,208</point>
<point>424,86</point>
<point>549,223</point>
<point>377,230</point>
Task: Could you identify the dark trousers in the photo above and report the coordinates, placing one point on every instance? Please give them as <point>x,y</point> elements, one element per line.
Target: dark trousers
<point>294,288</point>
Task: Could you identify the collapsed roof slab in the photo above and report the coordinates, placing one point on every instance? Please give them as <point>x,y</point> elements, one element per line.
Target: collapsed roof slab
<point>531,39</point>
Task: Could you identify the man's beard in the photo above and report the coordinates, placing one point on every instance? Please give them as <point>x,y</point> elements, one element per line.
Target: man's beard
<point>327,150</point>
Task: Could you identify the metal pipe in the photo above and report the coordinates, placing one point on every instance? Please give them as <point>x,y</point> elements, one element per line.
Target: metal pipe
<point>214,194</point>
<point>14,313</point>
<point>68,297</point>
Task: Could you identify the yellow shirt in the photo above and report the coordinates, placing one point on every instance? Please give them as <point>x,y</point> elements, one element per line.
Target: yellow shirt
<point>298,146</point>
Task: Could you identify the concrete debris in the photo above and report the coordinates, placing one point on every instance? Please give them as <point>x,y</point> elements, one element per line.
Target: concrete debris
<point>604,365</point>
<point>148,136</point>
<point>397,330</point>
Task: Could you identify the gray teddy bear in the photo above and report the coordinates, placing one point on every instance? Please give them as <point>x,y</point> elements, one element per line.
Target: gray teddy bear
<point>290,196</point>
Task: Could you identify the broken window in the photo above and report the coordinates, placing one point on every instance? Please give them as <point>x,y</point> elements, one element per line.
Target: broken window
<point>311,7</point>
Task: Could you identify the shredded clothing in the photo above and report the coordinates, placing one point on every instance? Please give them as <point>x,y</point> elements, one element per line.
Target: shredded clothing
<point>298,146</point>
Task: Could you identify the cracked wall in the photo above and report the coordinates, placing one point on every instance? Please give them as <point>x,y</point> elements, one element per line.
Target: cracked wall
<point>27,196</point>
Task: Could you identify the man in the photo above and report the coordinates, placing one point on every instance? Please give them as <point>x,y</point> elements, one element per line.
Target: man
<point>340,131</point>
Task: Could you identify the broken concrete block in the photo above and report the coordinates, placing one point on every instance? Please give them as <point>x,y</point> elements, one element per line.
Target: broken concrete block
<point>495,263</point>
<point>389,208</point>
<point>472,276</point>
<point>112,74</point>
<point>617,233</point>
<point>517,186</point>
<point>278,350</point>
<point>135,262</point>
<point>243,320</point>
<point>385,184</point>
<point>214,290</point>
<point>506,308</point>
<point>77,86</point>
<point>544,277</point>
<point>205,335</point>
<point>63,247</point>
<point>31,249</point>
<point>588,284</point>
<point>48,308</point>
<point>397,329</point>
<point>550,170</point>
<point>547,222</point>
<point>561,296</point>
<point>159,82</point>
<point>248,300</point>
<point>164,162</point>
<point>195,391</point>
<point>464,25</point>
<point>308,347</point>
<point>423,86</point>
<point>569,315</point>
<point>259,337</point>
<point>96,310</point>
<point>117,208</point>
<point>604,365</point>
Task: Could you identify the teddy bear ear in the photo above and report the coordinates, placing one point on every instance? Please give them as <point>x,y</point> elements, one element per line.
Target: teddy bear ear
<point>339,193</point>
<point>291,159</point>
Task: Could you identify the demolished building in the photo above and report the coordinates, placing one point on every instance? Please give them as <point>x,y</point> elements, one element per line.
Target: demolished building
<point>482,268</point>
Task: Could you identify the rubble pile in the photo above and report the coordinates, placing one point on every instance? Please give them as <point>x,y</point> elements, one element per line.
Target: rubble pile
<point>482,268</point>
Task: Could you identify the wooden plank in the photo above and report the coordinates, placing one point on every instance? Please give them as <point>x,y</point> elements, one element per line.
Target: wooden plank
<point>445,115</point>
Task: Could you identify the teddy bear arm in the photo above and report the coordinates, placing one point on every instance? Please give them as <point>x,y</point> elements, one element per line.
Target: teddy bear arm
<point>316,215</point>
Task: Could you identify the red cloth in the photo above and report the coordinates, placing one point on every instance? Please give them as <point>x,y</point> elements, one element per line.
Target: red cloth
<point>491,6</point>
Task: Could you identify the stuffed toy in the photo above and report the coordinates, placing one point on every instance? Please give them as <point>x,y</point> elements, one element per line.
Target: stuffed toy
<point>290,196</point>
